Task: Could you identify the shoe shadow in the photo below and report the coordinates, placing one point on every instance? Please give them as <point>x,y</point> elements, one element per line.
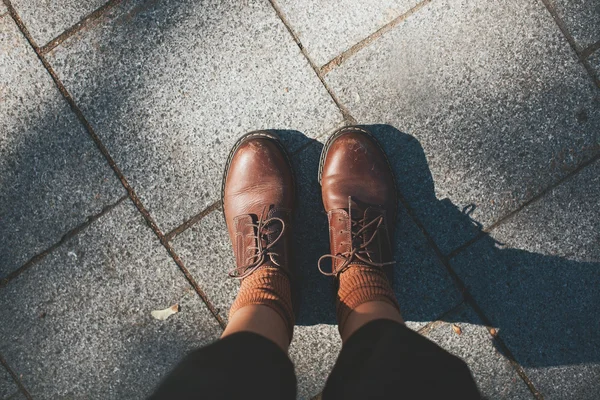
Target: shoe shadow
<point>544,307</point>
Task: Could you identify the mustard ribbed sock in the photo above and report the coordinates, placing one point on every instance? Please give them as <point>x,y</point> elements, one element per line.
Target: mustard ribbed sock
<point>268,287</point>
<point>360,284</point>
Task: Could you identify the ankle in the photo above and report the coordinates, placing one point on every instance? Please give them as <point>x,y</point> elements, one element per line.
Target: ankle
<point>367,290</point>
<point>261,320</point>
<point>269,288</point>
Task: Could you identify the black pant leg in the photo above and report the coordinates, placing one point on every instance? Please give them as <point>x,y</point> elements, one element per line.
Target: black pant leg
<point>387,360</point>
<point>240,366</point>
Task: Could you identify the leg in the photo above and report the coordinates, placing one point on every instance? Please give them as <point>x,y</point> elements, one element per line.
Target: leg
<point>386,360</point>
<point>380,358</point>
<point>250,360</point>
<point>239,366</point>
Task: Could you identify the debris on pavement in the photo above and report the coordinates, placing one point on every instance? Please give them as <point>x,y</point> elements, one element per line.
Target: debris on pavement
<point>166,313</point>
<point>457,329</point>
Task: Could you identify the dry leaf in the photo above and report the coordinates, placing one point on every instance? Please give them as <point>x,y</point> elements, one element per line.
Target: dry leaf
<point>166,313</point>
<point>456,329</point>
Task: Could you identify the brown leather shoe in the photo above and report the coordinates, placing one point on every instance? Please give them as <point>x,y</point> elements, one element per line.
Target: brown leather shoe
<point>360,198</point>
<point>258,199</point>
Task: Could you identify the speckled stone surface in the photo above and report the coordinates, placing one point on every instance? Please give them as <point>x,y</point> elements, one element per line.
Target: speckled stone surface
<point>582,19</point>
<point>493,93</point>
<point>78,324</point>
<point>52,176</point>
<point>314,351</point>
<point>8,387</point>
<point>17,396</point>
<point>493,373</point>
<point>206,251</point>
<point>3,9</point>
<point>196,76</point>
<point>328,28</point>
<point>538,280</point>
<point>46,20</point>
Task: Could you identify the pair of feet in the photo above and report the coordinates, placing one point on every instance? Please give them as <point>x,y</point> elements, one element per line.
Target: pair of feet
<point>359,196</point>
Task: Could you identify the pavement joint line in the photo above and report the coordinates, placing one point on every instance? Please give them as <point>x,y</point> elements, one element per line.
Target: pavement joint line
<point>345,112</point>
<point>70,234</point>
<point>505,218</point>
<point>130,191</point>
<point>588,51</point>
<point>87,21</point>
<point>192,221</point>
<point>440,319</point>
<point>341,58</point>
<point>15,378</point>
<point>543,192</point>
<point>466,244</point>
<point>579,52</point>
<point>507,354</point>
<point>13,13</point>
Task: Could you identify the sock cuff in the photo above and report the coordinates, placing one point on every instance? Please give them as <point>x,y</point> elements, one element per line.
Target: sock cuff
<point>358,285</point>
<point>268,287</point>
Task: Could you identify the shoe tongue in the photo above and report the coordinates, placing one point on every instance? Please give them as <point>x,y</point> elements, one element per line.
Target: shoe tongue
<point>273,212</point>
<point>372,212</point>
<point>362,210</point>
<point>273,230</point>
<point>367,213</point>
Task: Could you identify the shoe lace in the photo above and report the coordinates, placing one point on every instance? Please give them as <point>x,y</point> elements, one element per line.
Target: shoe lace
<point>358,251</point>
<point>263,247</point>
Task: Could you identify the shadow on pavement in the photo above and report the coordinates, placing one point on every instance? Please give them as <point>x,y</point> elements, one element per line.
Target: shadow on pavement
<point>544,307</point>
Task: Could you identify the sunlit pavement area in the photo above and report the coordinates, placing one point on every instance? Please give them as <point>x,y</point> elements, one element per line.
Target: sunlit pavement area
<point>116,119</point>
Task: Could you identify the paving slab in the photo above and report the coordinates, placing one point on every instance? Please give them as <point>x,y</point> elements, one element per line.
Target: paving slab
<point>8,387</point>
<point>328,28</point>
<point>423,287</point>
<point>78,324</point>
<point>314,351</point>
<point>582,19</point>
<point>493,93</point>
<point>46,20</point>
<point>493,373</point>
<point>52,175</point>
<point>537,278</point>
<point>3,9</point>
<point>170,86</point>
